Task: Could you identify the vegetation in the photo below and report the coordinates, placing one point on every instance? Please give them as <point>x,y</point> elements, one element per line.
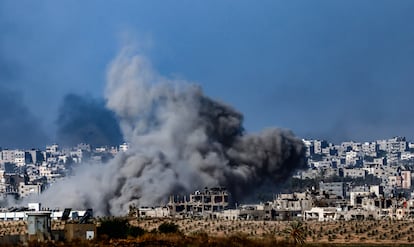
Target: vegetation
<point>118,228</point>
<point>207,232</point>
<point>296,232</point>
<point>168,227</point>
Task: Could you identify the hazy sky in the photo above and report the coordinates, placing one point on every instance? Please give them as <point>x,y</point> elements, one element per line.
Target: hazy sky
<point>337,70</point>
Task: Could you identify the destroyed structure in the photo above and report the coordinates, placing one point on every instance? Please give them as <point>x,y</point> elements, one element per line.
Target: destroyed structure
<point>200,203</point>
<point>213,203</point>
<point>324,204</point>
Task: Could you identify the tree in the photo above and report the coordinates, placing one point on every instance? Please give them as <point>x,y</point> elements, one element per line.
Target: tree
<point>296,232</point>
<point>167,227</point>
<point>119,228</point>
<point>135,231</point>
<point>114,228</point>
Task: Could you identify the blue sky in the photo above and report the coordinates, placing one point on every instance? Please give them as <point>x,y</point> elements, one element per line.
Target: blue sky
<point>339,70</point>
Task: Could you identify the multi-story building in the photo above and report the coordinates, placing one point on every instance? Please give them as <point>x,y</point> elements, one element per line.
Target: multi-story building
<point>290,206</point>
<point>406,179</point>
<point>29,189</point>
<point>370,148</point>
<point>8,156</point>
<point>52,149</point>
<point>396,144</point>
<point>335,188</point>
<point>319,145</point>
<point>354,173</point>
<point>36,156</point>
<point>310,148</point>
<point>200,203</point>
<point>20,158</point>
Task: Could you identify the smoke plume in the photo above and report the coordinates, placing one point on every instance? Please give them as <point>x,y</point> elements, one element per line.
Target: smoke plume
<point>180,141</point>
<point>19,127</point>
<point>86,120</point>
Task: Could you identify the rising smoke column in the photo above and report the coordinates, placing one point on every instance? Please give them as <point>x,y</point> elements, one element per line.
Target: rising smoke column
<point>180,141</point>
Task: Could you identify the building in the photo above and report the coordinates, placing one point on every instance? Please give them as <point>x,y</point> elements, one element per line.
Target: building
<point>357,196</point>
<point>321,214</point>
<point>153,212</point>
<point>29,189</point>
<point>406,179</point>
<point>79,231</point>
<point>7,156</point>
<point>200,203</point>
<point>52,149</point>
<point>39,226</point>
<point>36,156</point>
<point>290,206</point>
<point>396,145</point>
<point>354,173</point>
<point>319,145</point>
<point>332,189</point>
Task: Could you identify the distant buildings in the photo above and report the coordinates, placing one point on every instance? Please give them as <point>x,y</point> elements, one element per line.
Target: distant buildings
<point>350,180</point>
<point>336,189</point>
<point>26,172</point>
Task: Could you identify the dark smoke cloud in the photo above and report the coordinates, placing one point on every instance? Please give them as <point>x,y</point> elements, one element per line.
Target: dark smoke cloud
<point>271,156</point>
<point>86,120</point>
<point>18,126</point>
<point>180,141</point>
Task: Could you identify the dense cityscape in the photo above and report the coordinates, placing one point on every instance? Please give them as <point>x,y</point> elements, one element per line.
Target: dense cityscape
<point>342,181</point>
<point>343,184</point>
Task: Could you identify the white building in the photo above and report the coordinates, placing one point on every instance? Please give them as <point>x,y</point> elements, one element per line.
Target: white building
<point>151,212</point>
<point>406,179</point>
<point>8,156</point>
<point>355,173</point>
<point>52,149</point>
<point>29,189</point>
<point>370,148</point>
<point>228,214</point>
<point>20,158</point>
<point>321,214</point>
<point>123,147</point>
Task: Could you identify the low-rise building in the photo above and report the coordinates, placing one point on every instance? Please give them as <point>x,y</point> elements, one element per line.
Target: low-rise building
<point>153,212</point>
<point>334,188</point>
<point>321,214</point>
<point>201,202</point>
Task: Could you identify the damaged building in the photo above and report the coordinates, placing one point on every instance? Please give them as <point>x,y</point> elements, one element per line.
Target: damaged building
<point>200,203</point>
<point>291,206</point>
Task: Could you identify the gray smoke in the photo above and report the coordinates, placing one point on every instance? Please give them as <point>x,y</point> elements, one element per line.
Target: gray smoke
<point>83,119</point>
<point>180,141</point>
<point>19,127</point>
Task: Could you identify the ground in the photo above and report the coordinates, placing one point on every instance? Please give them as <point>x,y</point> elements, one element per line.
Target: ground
<point>375,232</point>
<point>386,232</point>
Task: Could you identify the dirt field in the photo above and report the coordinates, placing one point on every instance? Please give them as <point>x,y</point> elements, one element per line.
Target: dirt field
<point>20,227</point>
<point>351,232</point>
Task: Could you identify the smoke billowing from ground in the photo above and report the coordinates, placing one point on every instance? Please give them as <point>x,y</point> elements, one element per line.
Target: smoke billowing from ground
<point>86,120</point>
<point>180,141</point>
